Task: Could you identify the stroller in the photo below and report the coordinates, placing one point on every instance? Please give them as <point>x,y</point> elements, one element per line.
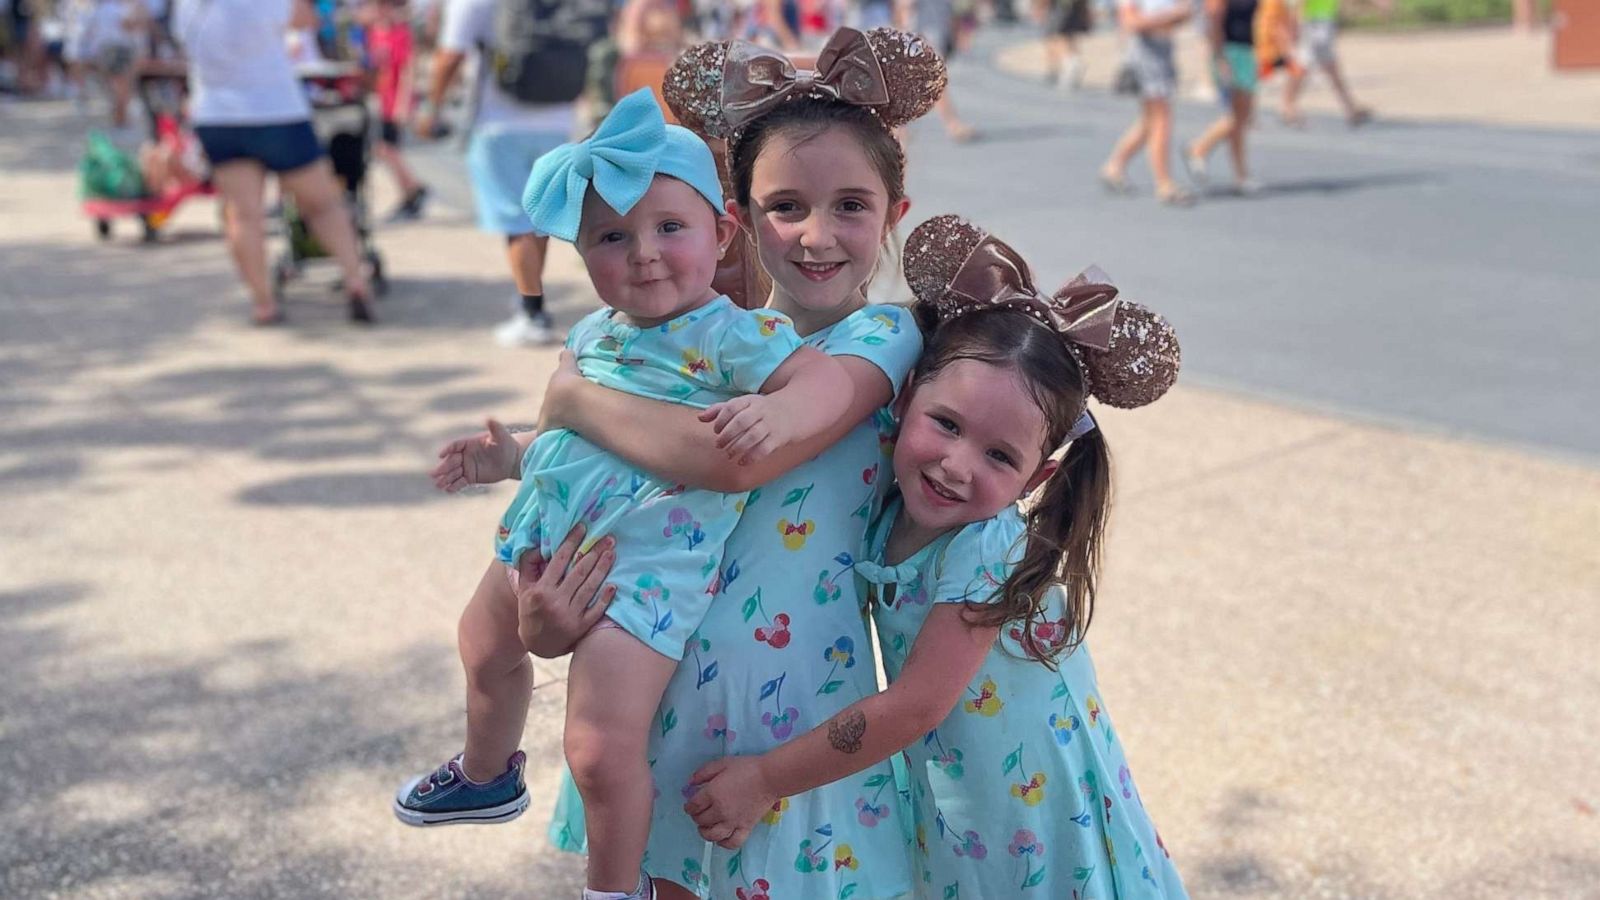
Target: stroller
<point>343,122</point>
<point>115,186</point>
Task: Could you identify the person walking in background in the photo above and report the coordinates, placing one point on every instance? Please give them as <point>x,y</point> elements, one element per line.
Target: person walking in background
<point>252,118</point>
<point>948,28</point>
<point>507,136</point>
<point>115,35</point>
<point>388,28</point>
<point>1149,26</point>
<point>1064,21</point>
<point>1319,29</point>
<point>1231,31</point>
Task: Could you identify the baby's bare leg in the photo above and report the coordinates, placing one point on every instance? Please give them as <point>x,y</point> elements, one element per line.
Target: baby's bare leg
<point>499,675</point>
<point>613,688</point>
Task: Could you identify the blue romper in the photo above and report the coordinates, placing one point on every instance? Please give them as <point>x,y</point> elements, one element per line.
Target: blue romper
<point>1023,790</point>
<point>669,538</point>
<point>782,650</point>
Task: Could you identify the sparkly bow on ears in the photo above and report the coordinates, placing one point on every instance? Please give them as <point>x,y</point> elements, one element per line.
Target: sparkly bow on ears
<point>994,275</point>
<point>755,80</point>
<point>619,159</point>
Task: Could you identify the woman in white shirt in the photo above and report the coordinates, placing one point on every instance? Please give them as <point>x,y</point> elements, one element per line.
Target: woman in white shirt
<point>252,118</point>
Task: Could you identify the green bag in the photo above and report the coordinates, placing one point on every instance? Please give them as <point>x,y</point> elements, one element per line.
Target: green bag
<point>106,172</point>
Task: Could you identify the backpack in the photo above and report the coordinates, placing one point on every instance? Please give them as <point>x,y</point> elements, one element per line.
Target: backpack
<point>541,47</point>
<point>107,172</point>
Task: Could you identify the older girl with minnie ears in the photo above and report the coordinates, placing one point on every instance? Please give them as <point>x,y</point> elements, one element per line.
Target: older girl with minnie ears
<point>1017,784</point>
<point>817,183</point>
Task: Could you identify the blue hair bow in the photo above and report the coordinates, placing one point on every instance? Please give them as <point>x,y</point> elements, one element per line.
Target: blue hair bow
<point>633,144</point>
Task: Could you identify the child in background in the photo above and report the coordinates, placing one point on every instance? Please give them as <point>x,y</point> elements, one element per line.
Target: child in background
<point>642,203</point>
<point>1016,780</point>
<point>388,36</point>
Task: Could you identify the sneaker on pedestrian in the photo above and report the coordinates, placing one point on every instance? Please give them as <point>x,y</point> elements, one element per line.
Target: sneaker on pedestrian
<point>410,209</point>
<point>447,797</point>
<point>1247,187</point>
<point>522,330</point>
<point>1075,71</point>
<point>1195,165</point>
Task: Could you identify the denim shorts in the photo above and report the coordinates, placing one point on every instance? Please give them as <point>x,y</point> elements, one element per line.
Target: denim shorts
<point>280,148</point>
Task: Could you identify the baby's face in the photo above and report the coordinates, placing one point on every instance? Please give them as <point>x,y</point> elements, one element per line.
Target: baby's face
<point>657,261</point>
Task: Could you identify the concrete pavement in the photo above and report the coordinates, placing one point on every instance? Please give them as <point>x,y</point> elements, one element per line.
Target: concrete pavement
<point>1348,659</point>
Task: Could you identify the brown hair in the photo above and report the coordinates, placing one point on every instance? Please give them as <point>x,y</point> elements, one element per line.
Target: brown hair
<point>1067,522</point>
<point>806,119</point>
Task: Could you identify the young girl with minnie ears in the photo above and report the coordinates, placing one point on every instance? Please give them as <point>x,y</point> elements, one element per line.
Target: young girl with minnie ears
<point>817,182</point>
<point>1018,786</point>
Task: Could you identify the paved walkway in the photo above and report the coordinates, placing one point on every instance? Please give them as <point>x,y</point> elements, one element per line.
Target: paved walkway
<point>1348,660</point>
<point>1488,75</point>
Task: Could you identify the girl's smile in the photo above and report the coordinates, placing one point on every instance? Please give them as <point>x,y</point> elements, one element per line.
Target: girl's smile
<point>819,212</point>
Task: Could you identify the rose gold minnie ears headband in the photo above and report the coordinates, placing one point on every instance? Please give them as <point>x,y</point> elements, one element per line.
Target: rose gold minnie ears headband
<point>1129,355</point>
<point>716,88</point>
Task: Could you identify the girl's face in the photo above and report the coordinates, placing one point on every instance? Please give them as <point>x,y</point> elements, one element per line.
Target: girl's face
<point>656,262</point>
<point>819,212</point>
<point>971,443</point>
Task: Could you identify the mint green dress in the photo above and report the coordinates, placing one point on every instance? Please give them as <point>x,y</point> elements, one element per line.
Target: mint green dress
<point>1023,790</point>
<point>785,647</point>
<point>669,539</point>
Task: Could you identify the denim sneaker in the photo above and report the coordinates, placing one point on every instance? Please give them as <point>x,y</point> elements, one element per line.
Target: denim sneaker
<point>446,797</point>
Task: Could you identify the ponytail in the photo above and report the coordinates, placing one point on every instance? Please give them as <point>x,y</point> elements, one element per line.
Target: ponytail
<point>1066,532</point>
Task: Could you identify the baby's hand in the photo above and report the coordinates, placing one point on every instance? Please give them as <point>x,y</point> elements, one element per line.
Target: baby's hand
<point>484,458</point>
<point>748,427</point>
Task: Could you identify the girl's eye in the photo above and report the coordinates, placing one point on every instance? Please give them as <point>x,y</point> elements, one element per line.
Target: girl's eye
<point>671,227</point>
<point>784,207</point>
<point>1001,457</point>
<point>853,206</point>
<point>947,424</point>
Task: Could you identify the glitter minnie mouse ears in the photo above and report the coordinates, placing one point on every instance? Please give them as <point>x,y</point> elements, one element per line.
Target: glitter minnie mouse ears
<point>1129,355</point>
<point>716,88</point>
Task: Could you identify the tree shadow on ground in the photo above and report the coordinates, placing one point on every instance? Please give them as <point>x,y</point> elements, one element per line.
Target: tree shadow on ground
<point>151,776</point>
<point>1245,814</point>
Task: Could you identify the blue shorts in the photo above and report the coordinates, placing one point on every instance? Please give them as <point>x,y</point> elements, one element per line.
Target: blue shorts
<point>498,161</point>
<point>280,148</point>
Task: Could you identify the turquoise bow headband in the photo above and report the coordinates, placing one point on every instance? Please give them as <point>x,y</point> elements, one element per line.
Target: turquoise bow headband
<point>632,145</point>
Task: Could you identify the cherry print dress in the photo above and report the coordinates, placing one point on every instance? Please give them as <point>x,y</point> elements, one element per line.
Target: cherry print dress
<point>783,648</point>
<point>1023,790</point>
<point>669,539</point>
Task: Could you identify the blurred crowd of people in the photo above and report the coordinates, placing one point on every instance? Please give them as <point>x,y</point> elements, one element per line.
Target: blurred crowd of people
<point>427,67</point>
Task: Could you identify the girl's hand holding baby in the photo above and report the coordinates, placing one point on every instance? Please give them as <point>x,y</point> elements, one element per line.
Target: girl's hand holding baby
<point>733,792</point>
<point>557,603</point>
<point>486,457</point>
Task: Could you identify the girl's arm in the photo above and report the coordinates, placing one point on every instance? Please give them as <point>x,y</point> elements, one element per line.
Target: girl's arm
<point>735,791</point>
<point>679,446</point>
<point>801,398</point>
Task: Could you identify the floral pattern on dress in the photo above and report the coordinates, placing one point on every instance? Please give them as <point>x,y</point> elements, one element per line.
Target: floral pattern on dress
<point>670,539</point>
<point>783,647</point>
<point>1023,790</point>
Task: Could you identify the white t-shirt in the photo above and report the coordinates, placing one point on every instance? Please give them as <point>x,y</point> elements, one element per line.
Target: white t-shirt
<point>239,70</point>
<point>465,27</point>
